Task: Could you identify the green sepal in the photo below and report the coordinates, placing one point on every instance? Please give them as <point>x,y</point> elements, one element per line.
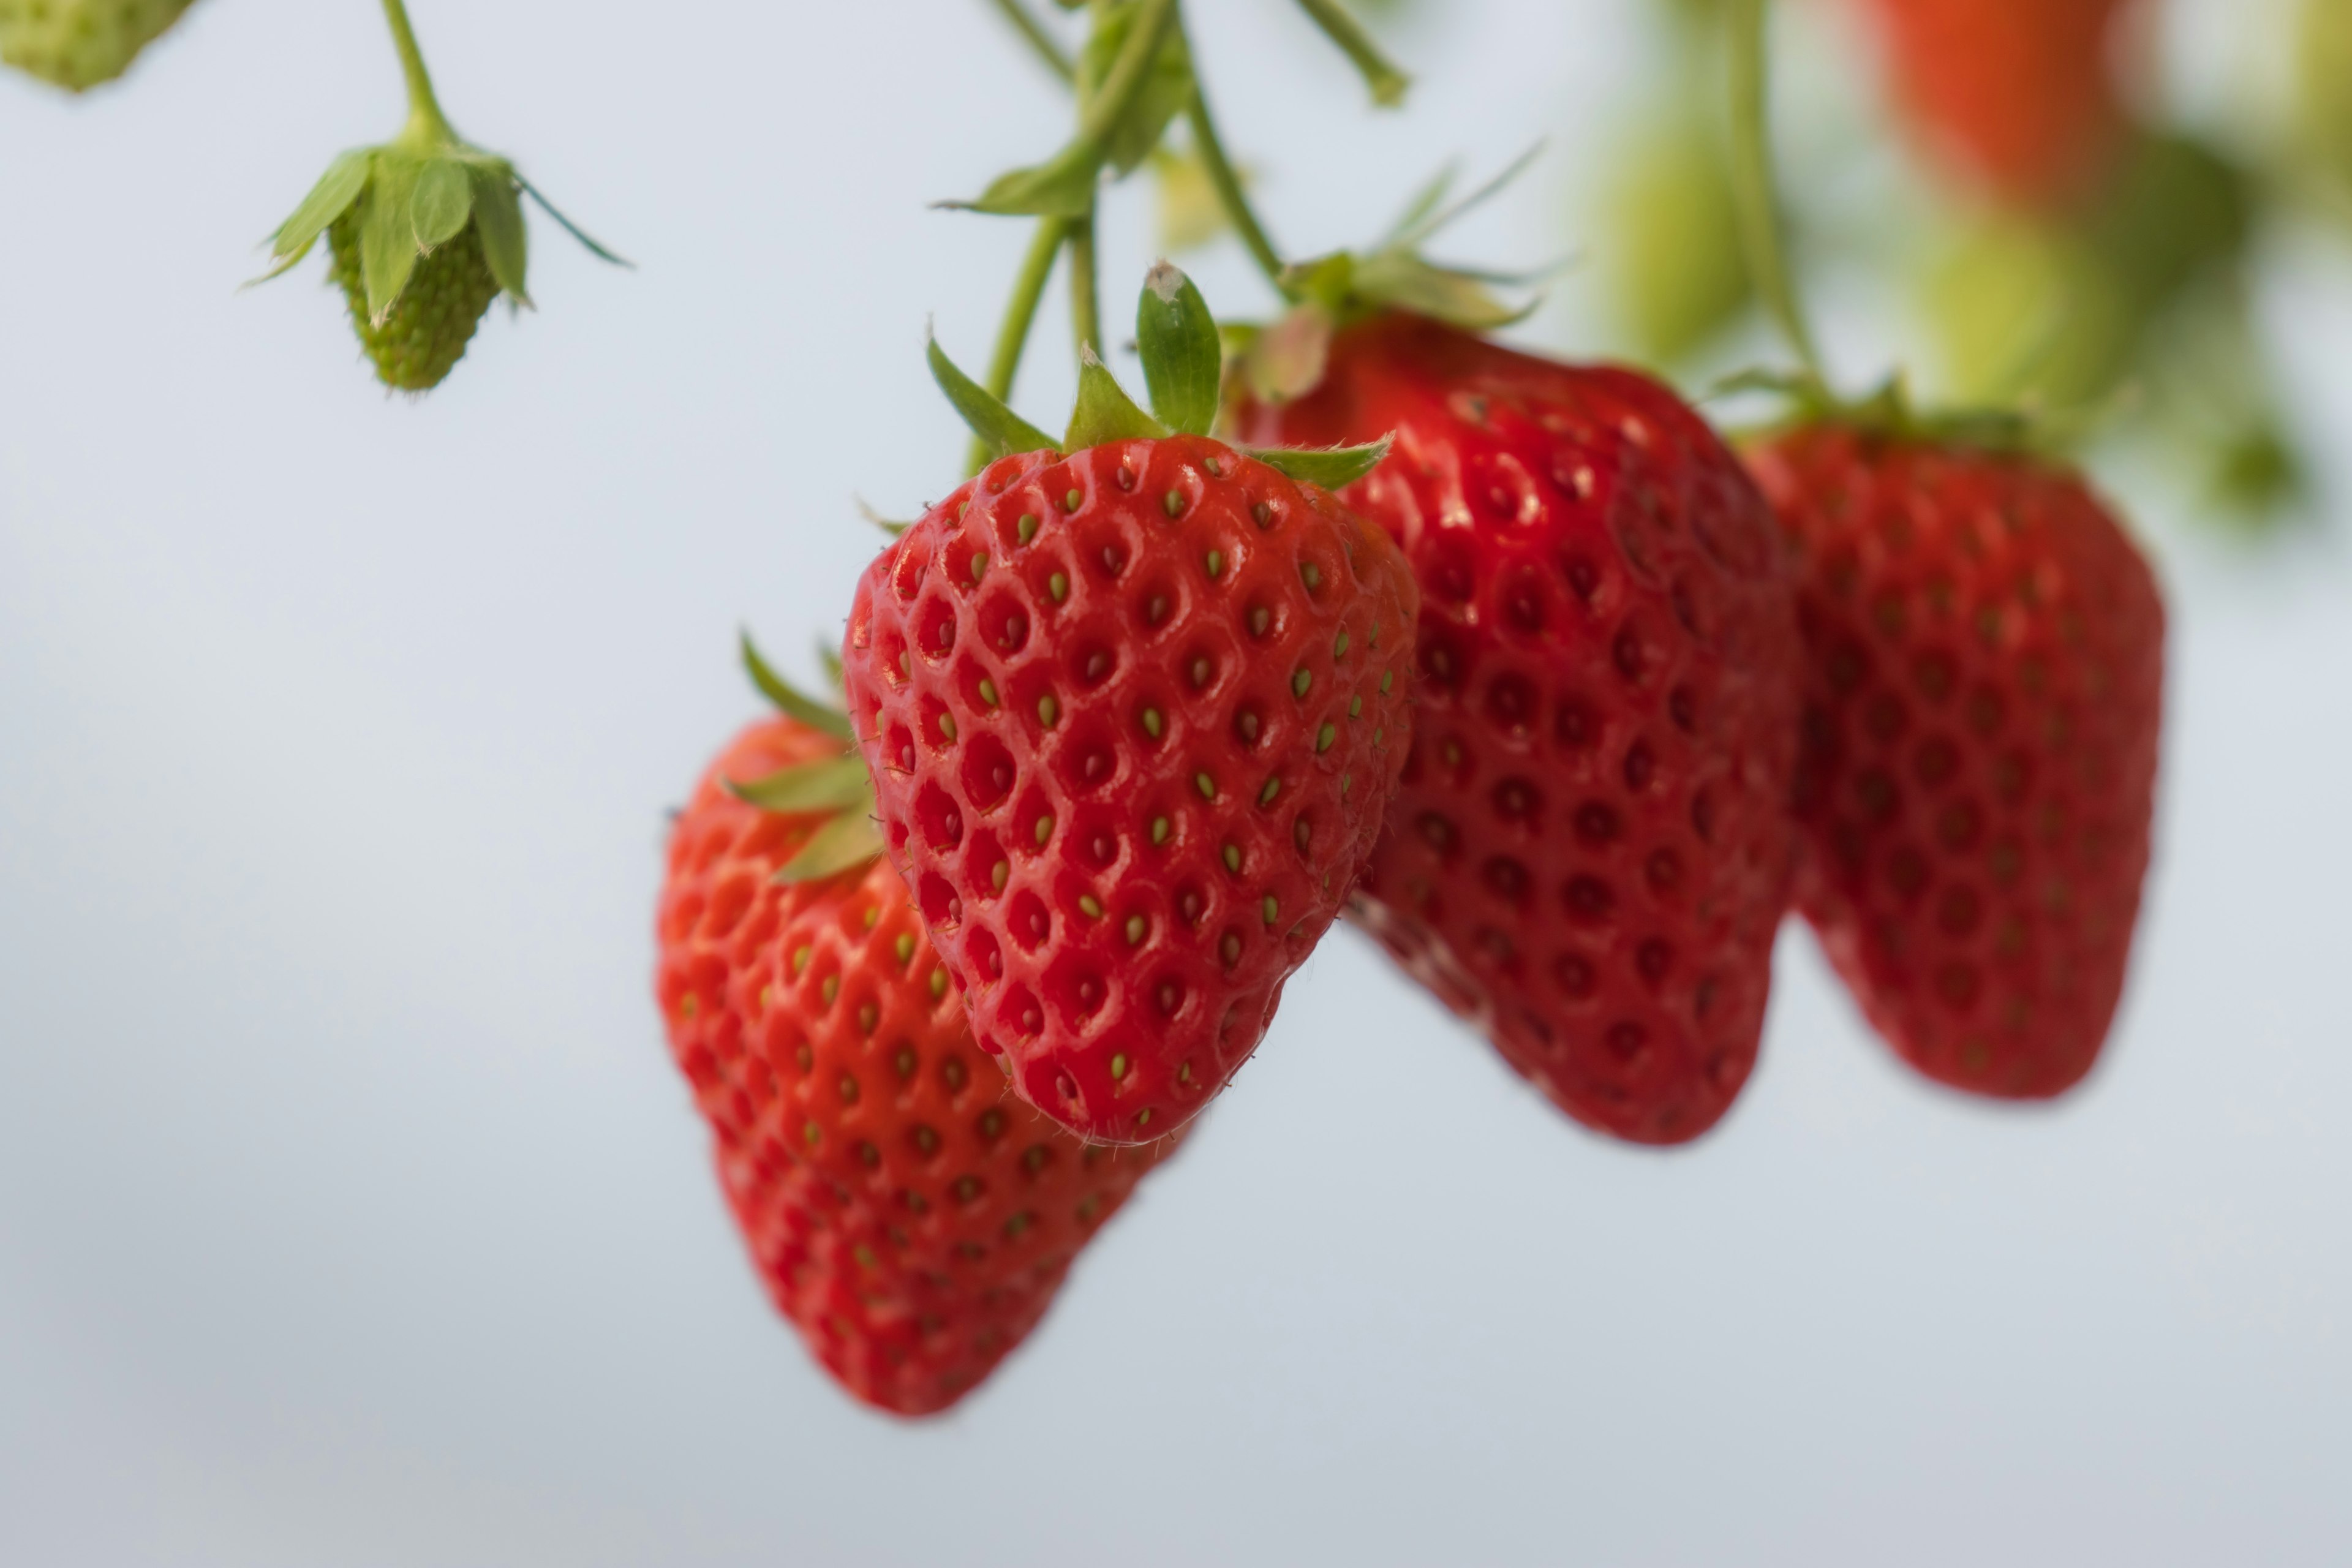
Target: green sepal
<point>1105,411</point>
<point>574,229</point>
<point>828,659</point>
<point>1182,356</point>
<point>388,231</point>
<point>497,214</point>
<point>443,203</point>
<point>833,785</point>
<point>337,189</point>
<point>1403,279</point>
<point>889,525</point>
<point>790,699</point>
<point>985,413</point>
<point>848,841</point>
<point>1061,186</point>
<point>1286,361</point>
<point>1330,468</point>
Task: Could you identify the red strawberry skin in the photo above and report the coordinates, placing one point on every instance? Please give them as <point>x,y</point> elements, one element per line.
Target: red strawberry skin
<point>2017,95</point>
<point>1591,848</point>
<point>909,1216</point>
<point>1985,653</point>
<point>1132,715</point>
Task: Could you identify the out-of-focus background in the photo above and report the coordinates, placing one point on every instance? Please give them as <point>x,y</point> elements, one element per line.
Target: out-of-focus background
<point>351,1211</point>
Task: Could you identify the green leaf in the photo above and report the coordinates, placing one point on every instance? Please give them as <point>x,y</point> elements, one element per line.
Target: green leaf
<point>848,841</point>
<point>498,214</point>
<point>1333,468</point>
<point>388,233</point>
<point>1182,358</point>
<point>337,189</point>
<point>1105,411</point>
<point>890,526</point>
<point>836,785</point>
<point>444,201</point>
<point>790,699</point>
<point>1061,186</point>
<point>1004,430</point>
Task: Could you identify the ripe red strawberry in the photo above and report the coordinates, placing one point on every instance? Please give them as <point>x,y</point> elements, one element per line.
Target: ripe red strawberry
<point>1590,849</point>
<point>911,1218</point>
<point>2018,95</point>
<point>1986,668</point>
<point>1133,712</point>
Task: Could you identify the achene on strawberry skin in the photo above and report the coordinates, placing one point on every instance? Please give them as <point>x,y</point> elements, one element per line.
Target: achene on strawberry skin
<point>1590,849</point>
<point>909,1216</point>
<point>1983,713</point>
<point>1133,714</point>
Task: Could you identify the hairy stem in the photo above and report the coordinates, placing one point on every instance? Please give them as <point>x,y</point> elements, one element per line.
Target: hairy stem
<point>426,122</point>
<point>1086,305</point>
<point>1386,82</point>
<point>1751,182</point>
<point>1041,42</point>
<point>1020,314</point>
<point>1227,182</point>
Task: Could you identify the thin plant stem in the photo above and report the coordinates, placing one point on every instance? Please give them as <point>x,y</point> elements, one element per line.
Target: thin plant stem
<point>1101,112</point>
<point>1086,305</point>
<point>1020,315</point>
<point>1760,235</point>
<point>1041,42</point>
<point>425,121</point>
<point>1227,182</point>
<point>1387,83</point>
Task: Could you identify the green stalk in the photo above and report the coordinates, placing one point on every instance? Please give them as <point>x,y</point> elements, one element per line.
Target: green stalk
<point>1387,83</point>
<point>1227,184</point>
<point>1020,314</point>
<point>1099,115</point>
<point>428,126</point>
<point>1086,306</point>
<point>1041,42</point>
<point>1752,188</point>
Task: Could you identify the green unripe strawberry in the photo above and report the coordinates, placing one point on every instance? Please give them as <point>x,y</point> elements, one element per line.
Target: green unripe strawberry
<point>429,325</point>
<point>424,231</point>
<point>78,44</point>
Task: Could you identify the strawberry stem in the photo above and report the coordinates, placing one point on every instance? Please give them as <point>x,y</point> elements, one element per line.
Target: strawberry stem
<point>1227,184</point>
<point>1020,315</point>
<point>428,126</point>
<point>1760,236</point>
<point>1041,42</point>
<point>1086,303</point>
<point>1386,83</point>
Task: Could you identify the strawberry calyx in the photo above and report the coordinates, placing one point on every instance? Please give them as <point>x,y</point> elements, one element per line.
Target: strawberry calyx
<point>1179,342</point>
<point>1285,359</point>
<point>837,790</point>
<point>422,190</point>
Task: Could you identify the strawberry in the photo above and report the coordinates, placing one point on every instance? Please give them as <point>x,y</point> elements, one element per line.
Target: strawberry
<point>1590,851</point>
<point>78,44</point>
<point>2016,95</point>
<point>1133,704</point>
<point>910,1218</point>
<point>425,232</point>
<point>1985,665</point>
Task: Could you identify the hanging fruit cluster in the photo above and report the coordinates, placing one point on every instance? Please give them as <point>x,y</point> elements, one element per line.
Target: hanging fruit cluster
<point>1514,663</point>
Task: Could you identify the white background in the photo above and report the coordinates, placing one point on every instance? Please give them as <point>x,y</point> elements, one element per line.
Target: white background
<point>351,1212</point>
